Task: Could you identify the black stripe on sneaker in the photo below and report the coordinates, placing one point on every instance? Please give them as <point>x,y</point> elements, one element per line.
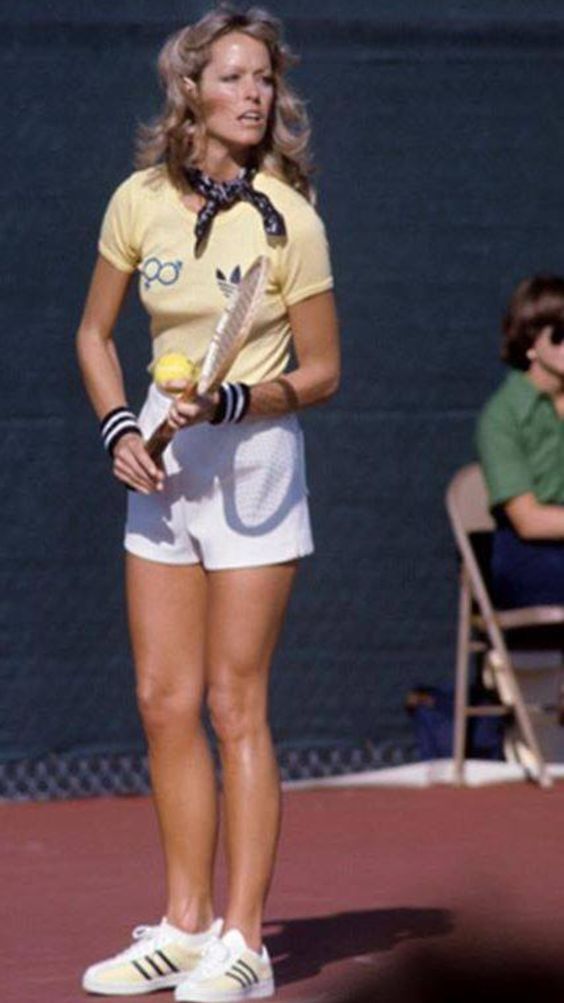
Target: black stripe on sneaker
<point>167,961</point>
<point>244,983</point>
<point>247,968</point>
<point>237,967</point>
<point>153,965</point>
<point>141,970</point>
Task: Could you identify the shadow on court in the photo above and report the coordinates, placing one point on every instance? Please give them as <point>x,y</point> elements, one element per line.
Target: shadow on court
<point>301,948</point>
<point>437,974</point>
<point>468,885</point>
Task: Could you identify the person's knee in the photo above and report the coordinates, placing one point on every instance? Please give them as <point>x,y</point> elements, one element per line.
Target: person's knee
<point>236,710</point>
<point>165,707</point>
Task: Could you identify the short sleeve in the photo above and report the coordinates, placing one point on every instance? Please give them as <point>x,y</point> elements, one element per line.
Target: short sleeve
<point>502,457</point>
<point>305,266</point>
<point>117,235</point>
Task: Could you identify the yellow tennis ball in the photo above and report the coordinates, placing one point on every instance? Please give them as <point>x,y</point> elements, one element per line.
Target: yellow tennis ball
<point>174,366</point>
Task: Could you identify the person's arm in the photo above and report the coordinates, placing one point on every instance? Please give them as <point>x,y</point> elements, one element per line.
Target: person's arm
<point>315,379</point>
<point>316,341</point>
<point>533,520</point>
<point>101,372</point>
<point>507,470</point>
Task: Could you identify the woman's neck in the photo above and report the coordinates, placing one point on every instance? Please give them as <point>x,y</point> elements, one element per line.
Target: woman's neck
<point>222,164</point>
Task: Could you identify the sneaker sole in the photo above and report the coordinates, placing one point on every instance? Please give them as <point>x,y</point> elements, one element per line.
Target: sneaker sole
<point>91,985</point>
<point>260,992</point>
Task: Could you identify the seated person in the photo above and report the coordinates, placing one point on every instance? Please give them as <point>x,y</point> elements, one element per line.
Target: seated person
<point>520,443</point>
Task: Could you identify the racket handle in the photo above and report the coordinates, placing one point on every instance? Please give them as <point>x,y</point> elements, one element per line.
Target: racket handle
<point>159,440</point>
<point>164,433</point>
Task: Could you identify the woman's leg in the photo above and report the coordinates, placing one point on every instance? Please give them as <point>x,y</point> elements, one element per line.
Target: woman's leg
<point>167,612</point>
<point>245,612</point>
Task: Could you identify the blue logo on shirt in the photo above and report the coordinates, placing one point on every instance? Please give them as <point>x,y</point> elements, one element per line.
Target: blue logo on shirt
<point>165,272</point>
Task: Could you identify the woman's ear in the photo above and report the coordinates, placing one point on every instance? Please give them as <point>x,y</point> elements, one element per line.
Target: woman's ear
<point>190,84</point>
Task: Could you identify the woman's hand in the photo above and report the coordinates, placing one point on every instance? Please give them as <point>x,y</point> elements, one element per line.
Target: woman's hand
<point>134,467</point>
<point>184,413</point>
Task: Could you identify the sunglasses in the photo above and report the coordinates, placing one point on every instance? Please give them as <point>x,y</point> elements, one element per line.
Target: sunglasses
<point>556,334</point>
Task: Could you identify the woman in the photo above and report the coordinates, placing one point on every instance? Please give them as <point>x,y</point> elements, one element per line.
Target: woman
<point>214,537</point>
<point>521,447</point>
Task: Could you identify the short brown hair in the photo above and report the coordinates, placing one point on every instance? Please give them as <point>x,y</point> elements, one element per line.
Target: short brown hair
<point>537,302</point>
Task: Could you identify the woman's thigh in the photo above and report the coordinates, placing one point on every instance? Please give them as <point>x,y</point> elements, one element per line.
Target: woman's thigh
<point>167,613</point>
<point>246,608</point>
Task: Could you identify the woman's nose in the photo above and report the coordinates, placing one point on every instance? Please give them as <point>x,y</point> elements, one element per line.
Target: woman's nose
<point>252,89</point>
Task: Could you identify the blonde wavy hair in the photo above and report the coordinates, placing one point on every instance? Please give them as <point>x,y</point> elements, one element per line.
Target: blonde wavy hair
<point>176,137</point>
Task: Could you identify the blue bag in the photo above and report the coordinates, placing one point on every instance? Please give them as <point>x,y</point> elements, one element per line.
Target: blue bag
<point>432,712</point>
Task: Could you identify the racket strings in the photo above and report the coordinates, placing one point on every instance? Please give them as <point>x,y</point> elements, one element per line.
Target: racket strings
<point>233,327</point>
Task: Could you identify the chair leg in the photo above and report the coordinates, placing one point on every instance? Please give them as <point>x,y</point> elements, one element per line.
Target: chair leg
<point>461,691</point>
<point>521,711</point>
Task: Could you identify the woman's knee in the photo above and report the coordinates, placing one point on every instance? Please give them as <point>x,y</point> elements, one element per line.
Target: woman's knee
<point>236,711</point>
<point>167,706</point>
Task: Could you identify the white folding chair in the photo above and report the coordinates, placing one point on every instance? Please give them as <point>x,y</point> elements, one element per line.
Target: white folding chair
<point>482,628</point>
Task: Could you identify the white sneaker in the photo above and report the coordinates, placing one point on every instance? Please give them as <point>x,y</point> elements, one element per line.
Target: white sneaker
<point>160,958</point>
<point>228,971</point>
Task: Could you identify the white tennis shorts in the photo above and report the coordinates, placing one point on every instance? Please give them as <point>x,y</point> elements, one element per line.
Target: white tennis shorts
<point>234,495</point>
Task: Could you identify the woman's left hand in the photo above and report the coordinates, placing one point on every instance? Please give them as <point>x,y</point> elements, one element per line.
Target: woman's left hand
<point>192,412</point>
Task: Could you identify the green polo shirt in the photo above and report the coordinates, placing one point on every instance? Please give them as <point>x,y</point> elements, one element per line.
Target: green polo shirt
<point>520,440</point>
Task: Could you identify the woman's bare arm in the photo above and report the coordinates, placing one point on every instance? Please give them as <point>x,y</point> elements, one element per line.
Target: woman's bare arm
<point>315,379</point>
<point>102,375</point>
<point>316,340</point>
<point>97,355</point>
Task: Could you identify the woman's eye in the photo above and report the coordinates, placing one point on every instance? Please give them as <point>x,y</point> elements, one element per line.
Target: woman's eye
<point>230,76</point>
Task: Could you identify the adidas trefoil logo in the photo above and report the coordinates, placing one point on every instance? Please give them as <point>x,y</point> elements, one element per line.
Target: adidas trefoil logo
<point>229,285</point>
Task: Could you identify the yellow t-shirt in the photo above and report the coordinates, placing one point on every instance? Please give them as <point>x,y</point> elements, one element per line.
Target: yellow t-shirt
<point>147,227</point>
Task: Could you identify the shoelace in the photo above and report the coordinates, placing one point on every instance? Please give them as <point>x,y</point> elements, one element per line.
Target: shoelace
<point>214,956</point>
<point>145,933</point>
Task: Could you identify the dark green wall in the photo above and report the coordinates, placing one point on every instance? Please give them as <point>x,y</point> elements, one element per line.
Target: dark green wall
<point>438,130</point>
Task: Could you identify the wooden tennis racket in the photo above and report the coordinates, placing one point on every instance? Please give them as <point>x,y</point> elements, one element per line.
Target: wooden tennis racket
<point>231,332</point>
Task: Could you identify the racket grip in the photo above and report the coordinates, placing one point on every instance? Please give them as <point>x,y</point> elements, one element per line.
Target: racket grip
<point>164,433</point>
<point>159,440</point>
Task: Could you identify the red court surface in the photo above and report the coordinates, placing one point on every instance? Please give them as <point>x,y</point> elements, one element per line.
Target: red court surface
<point>369,884</point>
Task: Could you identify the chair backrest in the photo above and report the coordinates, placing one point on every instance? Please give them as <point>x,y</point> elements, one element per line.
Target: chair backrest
<point>467,507</point>
<point>467,501</point>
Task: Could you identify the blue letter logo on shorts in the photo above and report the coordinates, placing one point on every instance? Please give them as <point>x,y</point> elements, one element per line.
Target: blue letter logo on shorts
<point>165,272</point>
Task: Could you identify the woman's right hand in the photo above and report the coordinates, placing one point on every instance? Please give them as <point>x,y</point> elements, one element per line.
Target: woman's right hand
<point>134,467</point>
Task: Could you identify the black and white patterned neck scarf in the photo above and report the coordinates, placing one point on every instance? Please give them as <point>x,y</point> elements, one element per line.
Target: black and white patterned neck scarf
<point>223,194</point>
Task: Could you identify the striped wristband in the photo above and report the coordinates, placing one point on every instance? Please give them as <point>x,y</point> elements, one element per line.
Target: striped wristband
<point>120,421</point>
<point>233,404</point>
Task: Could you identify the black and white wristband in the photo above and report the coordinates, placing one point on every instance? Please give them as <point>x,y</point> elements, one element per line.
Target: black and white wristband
<point>118,422</point>
<point>233,404</point>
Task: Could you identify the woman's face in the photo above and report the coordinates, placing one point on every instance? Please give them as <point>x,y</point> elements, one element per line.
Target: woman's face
<point>236,91</point>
